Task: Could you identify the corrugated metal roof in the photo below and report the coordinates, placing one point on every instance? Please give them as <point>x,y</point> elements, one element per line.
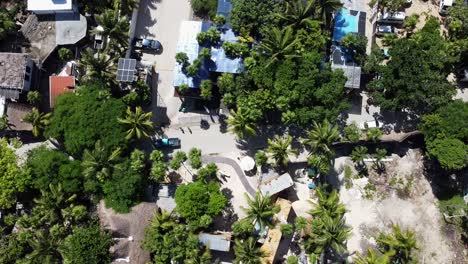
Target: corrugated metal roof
<point>59,85</point>
<point>221,242</point>
<point>219,61</point>
<point>277,184</point>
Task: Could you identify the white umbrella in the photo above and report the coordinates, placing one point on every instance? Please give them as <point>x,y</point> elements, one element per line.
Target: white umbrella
<point>247,163</point>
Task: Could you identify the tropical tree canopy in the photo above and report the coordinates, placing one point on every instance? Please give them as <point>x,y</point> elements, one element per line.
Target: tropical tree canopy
<point>80,119</point>
<point>38,120</point>
<point>247,252</point>
<point>138,123</point>
<point>240,123</point>
<point>261,209</point>
<point>280,149</point>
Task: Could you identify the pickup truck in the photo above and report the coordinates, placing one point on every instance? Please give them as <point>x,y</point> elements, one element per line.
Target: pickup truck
<point>166,143</point>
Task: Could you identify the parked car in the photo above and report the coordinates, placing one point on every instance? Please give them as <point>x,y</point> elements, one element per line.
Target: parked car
<point>384,29</point>
<point>396,17</point>
<point>166,142</point>
<point>148,44</point>
<point>369,124</point>
<point>444,6</point>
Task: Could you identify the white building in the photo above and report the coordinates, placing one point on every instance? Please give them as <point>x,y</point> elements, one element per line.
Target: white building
<point>43,7</point>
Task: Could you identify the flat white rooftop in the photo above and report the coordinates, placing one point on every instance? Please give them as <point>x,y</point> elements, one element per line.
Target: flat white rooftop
<point>49,5</point>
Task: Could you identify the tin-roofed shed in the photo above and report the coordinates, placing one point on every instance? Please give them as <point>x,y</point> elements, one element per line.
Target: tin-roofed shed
<point>277,184</point>
<point>218,242</point>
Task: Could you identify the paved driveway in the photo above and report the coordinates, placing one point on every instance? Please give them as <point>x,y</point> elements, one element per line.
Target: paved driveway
<point>160,19</point>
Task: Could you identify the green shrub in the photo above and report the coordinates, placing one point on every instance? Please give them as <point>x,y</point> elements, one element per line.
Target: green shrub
<point>235,49</point>
<point>205,54</point>
<point>261,158</point>
<point>352,133</point>
<point>195,158</point>
<point>292,260</point>
<point>206,89</point>
<point>178,159</point>
<point>219,20</point>
<point>204,8</point>
<point>65,54</point>
<point>182,58</point>
<point>348,177</point>
<point>183,88</point>
<point>212,36</point>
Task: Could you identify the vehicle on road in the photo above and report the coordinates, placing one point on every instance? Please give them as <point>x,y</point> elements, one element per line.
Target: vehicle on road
<point>147,44</point>
<point>166,143</point>
<point>384,30</point>
<point>444,6</point>
<point>396,17</point>
<point>369,124</point>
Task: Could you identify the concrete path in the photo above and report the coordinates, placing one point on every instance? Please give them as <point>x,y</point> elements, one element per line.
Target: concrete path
<point>236,167</point>
<point>161,19</point>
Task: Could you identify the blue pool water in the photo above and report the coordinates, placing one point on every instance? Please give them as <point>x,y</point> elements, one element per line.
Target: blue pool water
<point>344,23</point>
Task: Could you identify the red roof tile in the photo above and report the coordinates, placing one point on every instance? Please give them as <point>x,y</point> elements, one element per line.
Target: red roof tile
<point>59,85</point>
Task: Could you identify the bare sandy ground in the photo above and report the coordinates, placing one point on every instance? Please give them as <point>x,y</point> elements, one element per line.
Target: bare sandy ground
<point>419,212</point>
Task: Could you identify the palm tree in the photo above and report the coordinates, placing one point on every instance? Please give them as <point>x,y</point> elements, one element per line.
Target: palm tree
<point>373,134</point>
<point>402,242</point>
<point>279,44</point>
<point>98,163</point>
<point>373,257</point>
<point>378,157</point>
<point>38,121</point>
<point>358,155</point>
<point>33,97</point>
<point>327,8</point>
<point>321,137</point>
<point>261,209</point>
<point>298,13</point>
<point>162,222</point>
<point>139,123</point>
<point>300,225</point>
<point>247,251</point>
<point>113,27</point>
<point>126,6</point>
<point>50,206</point>
<point>280,149</point>
<point>328,236</point>
<point>99,67</point>
<point>240,123</point>
<point>44,247</point>
<point>4,122</point>
<point>328,204</point>
<point>7,24</point>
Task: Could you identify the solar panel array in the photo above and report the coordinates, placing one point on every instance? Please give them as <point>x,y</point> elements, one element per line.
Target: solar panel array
<point>126,70</point>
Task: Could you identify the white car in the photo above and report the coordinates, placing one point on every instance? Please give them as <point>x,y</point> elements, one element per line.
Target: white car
<point>444,5</point>
<point>396,17</point>
<point>369,124</point>
<point>384,30</point>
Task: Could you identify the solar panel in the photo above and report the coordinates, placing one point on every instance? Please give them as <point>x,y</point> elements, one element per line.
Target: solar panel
<point>126,70</point>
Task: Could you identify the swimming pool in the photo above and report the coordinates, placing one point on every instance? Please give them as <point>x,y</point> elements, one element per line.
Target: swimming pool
<point>345,23</point>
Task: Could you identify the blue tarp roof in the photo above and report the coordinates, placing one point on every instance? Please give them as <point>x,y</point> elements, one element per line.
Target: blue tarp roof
<point>348,21</point>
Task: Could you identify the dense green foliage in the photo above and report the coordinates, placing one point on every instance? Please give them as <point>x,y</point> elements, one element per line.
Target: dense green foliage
<point>415,79</point>
<point>80,119</point>
<point>249,16</point>
<point>458,20</point>
<point>13,179</point>
<point>204,8</point>
<point>87,245</point>
<point>169,241</point>
<point>446,134</point>
<point>123,189</point>
<point>402,242</point>
<point>48,166</point>
<point>197,199</point>
<point>7,23</point>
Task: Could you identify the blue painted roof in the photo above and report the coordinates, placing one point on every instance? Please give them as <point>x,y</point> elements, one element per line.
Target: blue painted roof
<point>224,6</point>
<point>219,61</point>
